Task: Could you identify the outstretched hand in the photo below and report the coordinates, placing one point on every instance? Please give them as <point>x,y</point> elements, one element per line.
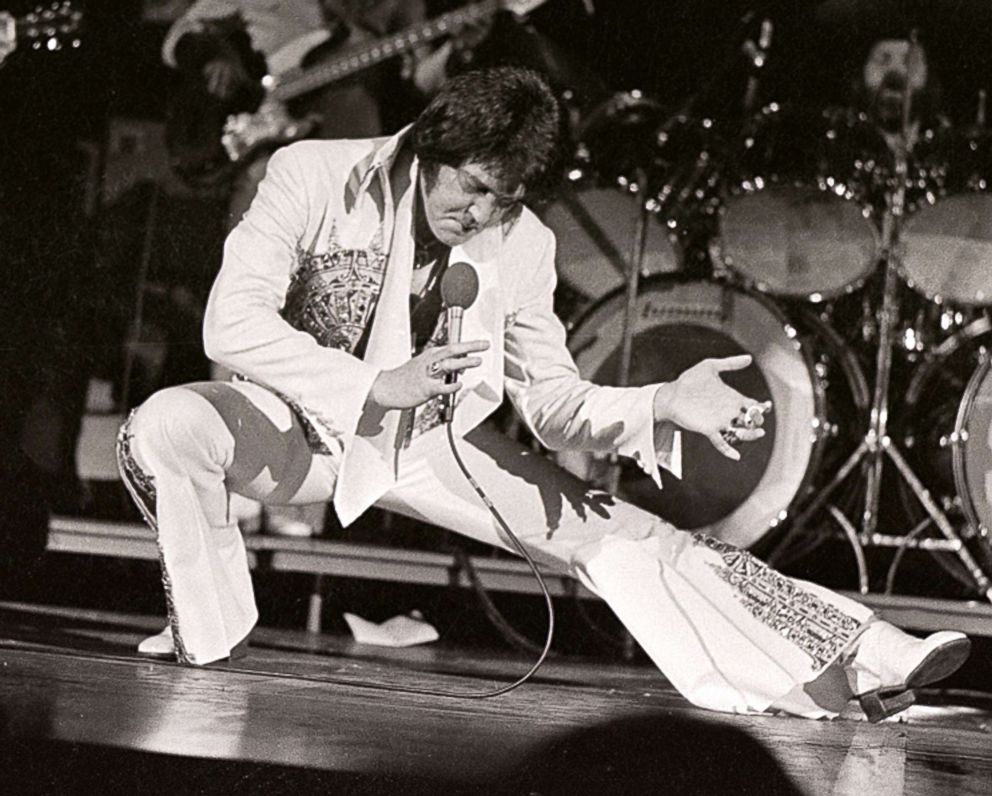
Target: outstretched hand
<point>418,380</point>
<point>699,400</point>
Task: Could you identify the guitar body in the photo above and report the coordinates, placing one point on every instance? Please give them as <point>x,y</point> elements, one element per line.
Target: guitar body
<point>271,125</point>
<point>345,108</point>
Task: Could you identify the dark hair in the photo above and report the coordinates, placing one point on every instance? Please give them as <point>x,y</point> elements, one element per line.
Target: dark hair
<point>505,118</point>
<point>927,101</point>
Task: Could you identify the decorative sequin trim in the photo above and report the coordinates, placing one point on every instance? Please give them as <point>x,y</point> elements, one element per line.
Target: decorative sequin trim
<point>141,486</point>
<point>819,629</point>
<point>332,295</point>
<point>431,414</point>
<point>309,420</point>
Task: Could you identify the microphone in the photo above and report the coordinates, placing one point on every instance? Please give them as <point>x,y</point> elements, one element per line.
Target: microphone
<point>459,288</point>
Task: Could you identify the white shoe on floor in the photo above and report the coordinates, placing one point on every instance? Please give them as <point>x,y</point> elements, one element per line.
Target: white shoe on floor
<point>888,664</point>
<point>160,645</point>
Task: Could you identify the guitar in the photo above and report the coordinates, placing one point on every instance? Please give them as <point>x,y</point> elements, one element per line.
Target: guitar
<point>47,27</point>
<point>272,124</point>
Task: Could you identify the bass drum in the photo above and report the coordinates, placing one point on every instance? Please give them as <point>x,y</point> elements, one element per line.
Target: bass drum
<point>948,436</point>
<point>973,450</point>
<point>801,366</point>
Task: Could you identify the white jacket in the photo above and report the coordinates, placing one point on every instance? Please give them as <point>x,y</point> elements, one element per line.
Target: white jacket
<point>331,200</point>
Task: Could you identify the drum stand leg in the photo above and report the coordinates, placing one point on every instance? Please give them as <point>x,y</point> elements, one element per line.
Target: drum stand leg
<point>627,347</point>
<point>871,454</point>
<point>877,445</point>
<point>852,536</point>
<point>630,311</point>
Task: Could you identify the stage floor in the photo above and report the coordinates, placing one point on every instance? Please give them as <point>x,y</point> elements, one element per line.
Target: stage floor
<point>78,711</point>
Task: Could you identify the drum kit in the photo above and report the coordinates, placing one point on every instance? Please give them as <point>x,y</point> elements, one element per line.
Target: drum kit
<point>854,265</point>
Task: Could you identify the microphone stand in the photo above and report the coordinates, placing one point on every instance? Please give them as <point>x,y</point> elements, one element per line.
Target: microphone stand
<point>633,279</point>
<point>636,263</point>
<point>876,445</point>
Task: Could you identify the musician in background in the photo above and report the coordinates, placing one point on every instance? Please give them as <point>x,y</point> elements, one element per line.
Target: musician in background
<point>893,69</point>
<point>291,34</point>
<point>895,78</point>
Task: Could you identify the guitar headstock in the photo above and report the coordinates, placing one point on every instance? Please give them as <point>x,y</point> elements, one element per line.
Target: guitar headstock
<point>50,26</point>
<point>520,8</point>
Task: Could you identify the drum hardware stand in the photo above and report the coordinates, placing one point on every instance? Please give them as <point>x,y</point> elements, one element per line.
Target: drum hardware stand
<point>633,280</point>
<point>628,645</point>
<point>876,444</point>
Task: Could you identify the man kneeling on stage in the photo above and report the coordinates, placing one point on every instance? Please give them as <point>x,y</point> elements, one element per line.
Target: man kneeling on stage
<point>328,307</point>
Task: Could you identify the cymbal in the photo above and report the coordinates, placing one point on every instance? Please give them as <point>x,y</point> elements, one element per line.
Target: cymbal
<point>626,109</point>
<point>619,137</point>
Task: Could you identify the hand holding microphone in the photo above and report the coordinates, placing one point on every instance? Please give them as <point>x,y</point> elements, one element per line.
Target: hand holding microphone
<point>435,370</point>
<point>459,287</point>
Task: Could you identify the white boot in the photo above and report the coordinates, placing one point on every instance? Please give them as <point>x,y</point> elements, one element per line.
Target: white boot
<point>160,645</point>
<point>888,664</point>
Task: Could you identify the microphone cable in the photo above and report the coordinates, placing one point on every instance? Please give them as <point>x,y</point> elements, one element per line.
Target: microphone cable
<point>459,287</point>
<point>438,692</point>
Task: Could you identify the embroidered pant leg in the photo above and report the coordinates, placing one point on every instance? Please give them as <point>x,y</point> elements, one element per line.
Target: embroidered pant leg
<point>182,453</point>
<point>730,633</point>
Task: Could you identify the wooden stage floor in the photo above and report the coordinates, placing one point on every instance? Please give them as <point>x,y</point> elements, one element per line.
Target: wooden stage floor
<point>80,714</point>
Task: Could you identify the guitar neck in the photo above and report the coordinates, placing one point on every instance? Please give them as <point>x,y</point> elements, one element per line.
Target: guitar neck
<point>356,59</point>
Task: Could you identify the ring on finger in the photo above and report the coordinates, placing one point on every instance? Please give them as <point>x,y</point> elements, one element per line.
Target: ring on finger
<point>754,416</point>
<point>434,369</point>
<point>749,418</point>
<point>730,436</point>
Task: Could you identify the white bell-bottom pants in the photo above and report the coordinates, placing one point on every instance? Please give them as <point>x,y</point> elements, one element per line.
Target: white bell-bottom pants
<point>729,632</point>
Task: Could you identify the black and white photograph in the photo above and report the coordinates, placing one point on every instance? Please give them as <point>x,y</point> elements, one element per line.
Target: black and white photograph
<point>513,397</point>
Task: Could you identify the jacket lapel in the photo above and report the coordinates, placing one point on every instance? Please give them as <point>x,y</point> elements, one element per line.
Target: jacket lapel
<point>481,392</point>
<point>368,468</point>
